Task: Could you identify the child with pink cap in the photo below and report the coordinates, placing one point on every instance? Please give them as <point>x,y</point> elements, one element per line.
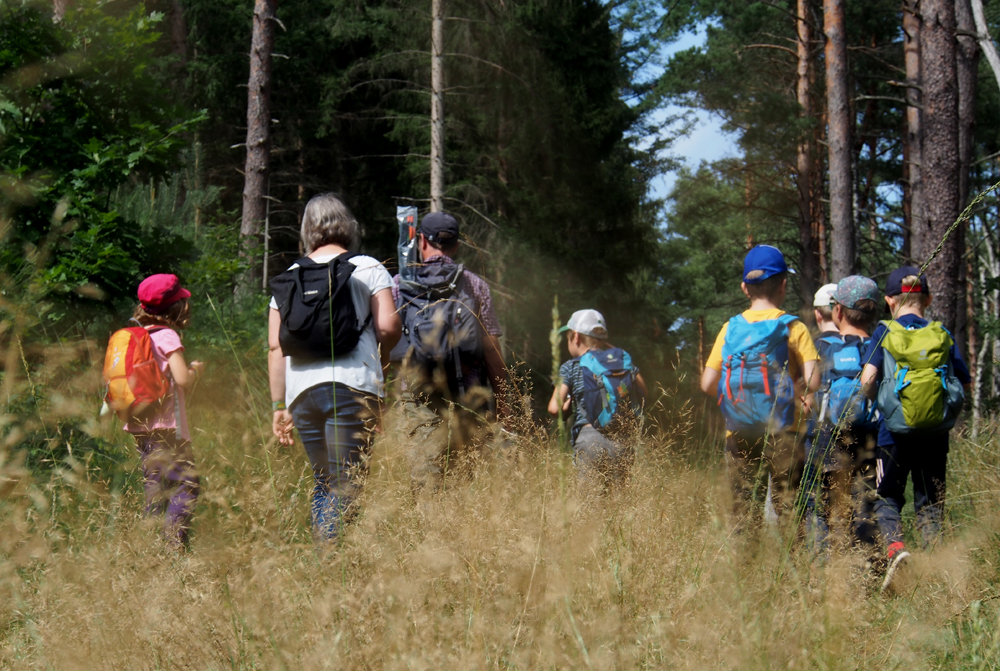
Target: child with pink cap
<point>161,434</point>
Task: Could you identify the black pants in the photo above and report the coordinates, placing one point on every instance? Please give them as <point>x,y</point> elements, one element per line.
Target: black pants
<point>925,458</point>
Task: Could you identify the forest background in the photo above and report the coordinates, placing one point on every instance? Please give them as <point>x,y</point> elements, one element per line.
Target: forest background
<point>860,130</point>
<point>125,131</point>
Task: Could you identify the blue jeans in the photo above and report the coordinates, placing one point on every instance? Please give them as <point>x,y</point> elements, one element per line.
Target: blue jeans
<point>335,424</point>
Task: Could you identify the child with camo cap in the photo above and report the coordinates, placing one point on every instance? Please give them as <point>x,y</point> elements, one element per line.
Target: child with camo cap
<point>840,471</point>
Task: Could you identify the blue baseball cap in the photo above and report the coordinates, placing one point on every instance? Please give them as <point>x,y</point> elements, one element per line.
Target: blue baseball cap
<point>766,258</point>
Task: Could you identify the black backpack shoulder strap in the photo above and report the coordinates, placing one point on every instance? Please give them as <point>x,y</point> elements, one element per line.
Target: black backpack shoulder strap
<point>346,257</point>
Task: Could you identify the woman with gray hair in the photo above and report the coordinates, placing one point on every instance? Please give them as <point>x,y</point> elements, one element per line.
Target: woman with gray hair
<point>328,390</point>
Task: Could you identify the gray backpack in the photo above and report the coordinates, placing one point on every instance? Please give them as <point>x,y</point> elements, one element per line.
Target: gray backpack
<point>441,330</point>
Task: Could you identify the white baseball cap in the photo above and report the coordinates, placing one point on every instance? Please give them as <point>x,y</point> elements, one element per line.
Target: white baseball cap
<point>824,296</point>
<point>589,323</point>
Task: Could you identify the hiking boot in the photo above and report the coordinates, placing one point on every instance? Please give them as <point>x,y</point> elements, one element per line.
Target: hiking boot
<point>898,557</point>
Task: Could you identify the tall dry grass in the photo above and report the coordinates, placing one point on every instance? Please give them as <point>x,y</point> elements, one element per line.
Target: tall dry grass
<point>514,564</point>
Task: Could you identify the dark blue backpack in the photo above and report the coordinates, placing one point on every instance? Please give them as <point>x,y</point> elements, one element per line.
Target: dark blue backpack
<point>756,390</point>
<point>840,398</point>
<point>608,386</point>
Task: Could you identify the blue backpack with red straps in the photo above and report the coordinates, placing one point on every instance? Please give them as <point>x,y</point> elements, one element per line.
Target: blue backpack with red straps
<point>756,390</point>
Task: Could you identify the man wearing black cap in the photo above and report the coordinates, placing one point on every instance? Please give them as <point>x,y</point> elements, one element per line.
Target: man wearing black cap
<point>468,398</point>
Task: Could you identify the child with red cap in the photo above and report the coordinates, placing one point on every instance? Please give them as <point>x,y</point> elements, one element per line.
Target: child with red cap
<point>161,434</point>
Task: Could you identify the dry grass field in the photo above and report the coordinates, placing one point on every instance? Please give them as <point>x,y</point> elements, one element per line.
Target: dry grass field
<point>512,565</point>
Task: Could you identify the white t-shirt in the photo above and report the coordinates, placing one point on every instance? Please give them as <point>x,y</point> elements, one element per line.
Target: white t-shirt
<point>361,369</point>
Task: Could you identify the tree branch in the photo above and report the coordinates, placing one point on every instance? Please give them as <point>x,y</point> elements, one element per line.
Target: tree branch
<point>772,46</point>
<point>985,41</point>
<point>901,101</point>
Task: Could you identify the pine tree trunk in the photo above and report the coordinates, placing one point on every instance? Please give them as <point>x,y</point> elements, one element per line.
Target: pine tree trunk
<point>941,155</point>
<point>178,32</point>
<point>967,61</point>
<point>258,138</point>
<point>437,105</point>
<point>914,129</point>
<point>904,248</point>
<point>804,160</point>
<point>839,141</point>
<point>818,211</point>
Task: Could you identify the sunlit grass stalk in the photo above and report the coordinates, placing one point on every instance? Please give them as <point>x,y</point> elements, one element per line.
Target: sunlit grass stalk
<point>253,406</point>
<point>562,439</point>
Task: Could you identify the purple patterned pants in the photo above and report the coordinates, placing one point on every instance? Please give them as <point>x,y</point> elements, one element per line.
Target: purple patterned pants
<point>171,482</point>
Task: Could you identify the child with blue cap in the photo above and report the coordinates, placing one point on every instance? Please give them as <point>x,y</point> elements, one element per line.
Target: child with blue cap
<point>763,360</point>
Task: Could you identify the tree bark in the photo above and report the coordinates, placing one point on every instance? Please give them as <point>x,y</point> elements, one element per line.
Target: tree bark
<point>178,32</point>
<point>258,137</point>
<point>904,248</point>
<point>818,211</point>
<point>437,105</point>
<point>914,130</point>
<point>967,64</point>
<point>941,155</point>
<point>838,141</point>
<point>804,160</point>
<point>980,364</point>
<point>59,8</point>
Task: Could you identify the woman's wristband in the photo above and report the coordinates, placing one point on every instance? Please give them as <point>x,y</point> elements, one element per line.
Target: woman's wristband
<point>277,405</point>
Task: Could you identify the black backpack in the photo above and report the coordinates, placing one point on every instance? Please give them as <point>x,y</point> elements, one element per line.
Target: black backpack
<point>315,302</point>
<point>441,330</point>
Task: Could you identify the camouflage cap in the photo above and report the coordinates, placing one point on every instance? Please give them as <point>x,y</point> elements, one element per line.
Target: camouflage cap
<point>856,288</point>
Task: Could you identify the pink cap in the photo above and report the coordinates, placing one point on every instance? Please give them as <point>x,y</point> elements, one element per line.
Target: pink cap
<point>158,292</point>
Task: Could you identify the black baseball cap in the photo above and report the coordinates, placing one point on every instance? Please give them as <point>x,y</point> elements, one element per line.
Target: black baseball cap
<point>894,286</point>
<point>439,227</point>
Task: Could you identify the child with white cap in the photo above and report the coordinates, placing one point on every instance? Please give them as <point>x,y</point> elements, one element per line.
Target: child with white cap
<point>823,312</point>
<point>604,387</point>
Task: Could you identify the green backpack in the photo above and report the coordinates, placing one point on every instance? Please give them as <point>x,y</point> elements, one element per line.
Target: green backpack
<point>919,390</point>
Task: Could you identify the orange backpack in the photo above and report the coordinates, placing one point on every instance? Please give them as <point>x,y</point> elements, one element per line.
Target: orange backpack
<point>135,381</point>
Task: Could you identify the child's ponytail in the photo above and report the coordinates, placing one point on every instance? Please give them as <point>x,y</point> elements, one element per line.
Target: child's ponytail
<point>177,316</point>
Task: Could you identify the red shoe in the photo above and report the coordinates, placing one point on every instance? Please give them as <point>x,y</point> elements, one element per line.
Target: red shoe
<point>897,556</point>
